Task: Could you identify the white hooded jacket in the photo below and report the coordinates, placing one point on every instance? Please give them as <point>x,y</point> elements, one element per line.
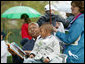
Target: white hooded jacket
<point>48,47</point>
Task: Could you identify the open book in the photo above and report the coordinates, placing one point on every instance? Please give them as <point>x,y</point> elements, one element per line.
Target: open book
<point>17,50</point>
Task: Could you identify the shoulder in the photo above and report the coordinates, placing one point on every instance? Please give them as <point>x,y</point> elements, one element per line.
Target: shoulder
<point>54,38</point>
<point>25,25</point>
<point>57,15</point>
<point>42,16</point>
<point>38,39</point>
<point>3,44</point>
<point>80,19</point>
<point>3,41</point>
<point>81,16</point>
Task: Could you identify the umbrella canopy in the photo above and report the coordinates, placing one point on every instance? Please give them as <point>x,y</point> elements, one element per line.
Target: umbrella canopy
<point>63,6</point>
<point>17,11</point>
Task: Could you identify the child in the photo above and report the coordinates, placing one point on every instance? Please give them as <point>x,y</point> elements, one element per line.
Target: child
<point>46,49</point>
<point>3,49</point>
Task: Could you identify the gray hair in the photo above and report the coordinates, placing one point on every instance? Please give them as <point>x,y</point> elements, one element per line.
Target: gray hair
<point>34,23</point>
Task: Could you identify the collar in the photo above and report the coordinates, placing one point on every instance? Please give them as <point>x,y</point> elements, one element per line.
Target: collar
<point>47,37</point>
<point>76,17</point>
<point>33,38</point>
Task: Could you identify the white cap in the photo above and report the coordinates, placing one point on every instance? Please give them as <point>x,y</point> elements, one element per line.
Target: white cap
<point>47,7</point>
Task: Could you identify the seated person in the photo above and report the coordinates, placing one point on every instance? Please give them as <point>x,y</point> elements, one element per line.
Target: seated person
<point>3,49</point>
<point>46,48</point>
<point>33,30</point>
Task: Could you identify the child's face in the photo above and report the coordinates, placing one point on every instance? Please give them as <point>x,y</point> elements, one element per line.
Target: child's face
<point>43,33</point>
<point>1,37</point>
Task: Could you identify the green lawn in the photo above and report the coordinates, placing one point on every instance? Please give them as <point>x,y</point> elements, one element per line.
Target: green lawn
<point>15,36</point>
<point>9,59</point>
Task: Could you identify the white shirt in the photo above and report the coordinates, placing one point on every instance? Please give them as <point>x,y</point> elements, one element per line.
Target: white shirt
<point>48,47</point>
<point>3,52</point>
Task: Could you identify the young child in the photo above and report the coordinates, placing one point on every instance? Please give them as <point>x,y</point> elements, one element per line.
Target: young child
<point>3,49</point>
<point>47,48</point>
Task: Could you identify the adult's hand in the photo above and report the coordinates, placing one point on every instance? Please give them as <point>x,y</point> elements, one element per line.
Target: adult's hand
<point>46,60</point>
<point>31,56</point>
<point>54,29</point>
<point>27,53</point>
<point>57,25</point>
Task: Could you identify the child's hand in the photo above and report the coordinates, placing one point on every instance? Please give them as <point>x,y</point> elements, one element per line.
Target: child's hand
<point>46,60</point>
<point>31,56</point>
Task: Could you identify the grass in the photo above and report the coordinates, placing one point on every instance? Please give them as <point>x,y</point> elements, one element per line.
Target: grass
<point>9,59</point>
<point>15,36</point>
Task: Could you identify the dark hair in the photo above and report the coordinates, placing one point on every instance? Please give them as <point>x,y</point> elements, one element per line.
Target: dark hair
<point>79,4</point>
<point>3,34</point>
<point>26,18</point>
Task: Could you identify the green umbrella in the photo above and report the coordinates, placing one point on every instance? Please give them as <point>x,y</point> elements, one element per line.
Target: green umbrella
<point>17,11</point>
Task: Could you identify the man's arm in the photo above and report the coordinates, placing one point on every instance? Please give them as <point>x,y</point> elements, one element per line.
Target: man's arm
<point>61,19</point>
<point>41,20</point>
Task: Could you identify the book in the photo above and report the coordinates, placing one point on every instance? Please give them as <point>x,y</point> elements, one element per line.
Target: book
<point>17,50</point>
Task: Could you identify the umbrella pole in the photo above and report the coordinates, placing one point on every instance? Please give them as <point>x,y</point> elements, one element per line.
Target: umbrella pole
<point>50,12</point>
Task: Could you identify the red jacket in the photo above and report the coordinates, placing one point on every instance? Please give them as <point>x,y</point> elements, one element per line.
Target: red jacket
<point>24,31</point>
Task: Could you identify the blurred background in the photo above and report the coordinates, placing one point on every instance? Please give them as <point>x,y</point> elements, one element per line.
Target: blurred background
<point>14,25</point>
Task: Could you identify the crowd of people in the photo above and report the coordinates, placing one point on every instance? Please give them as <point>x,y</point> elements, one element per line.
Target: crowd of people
<point>48,43</point>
